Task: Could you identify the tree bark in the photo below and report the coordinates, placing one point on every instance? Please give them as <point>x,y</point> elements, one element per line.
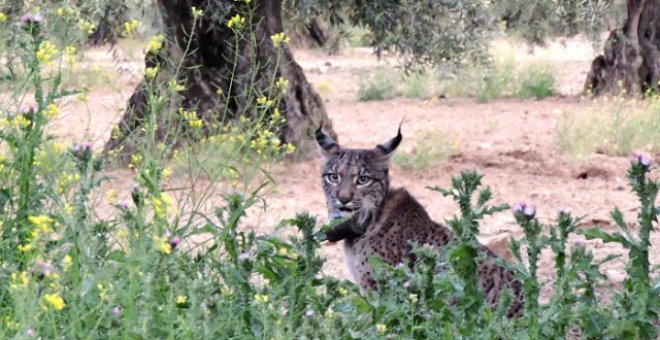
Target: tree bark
<point>631,61</point>
<point>221,72</point>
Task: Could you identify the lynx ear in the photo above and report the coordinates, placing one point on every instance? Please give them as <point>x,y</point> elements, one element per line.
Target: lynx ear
<point>327,144</point>
<point>386,149</point>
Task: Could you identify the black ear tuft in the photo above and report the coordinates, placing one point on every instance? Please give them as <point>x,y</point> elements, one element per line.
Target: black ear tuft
<point>391,145</point>
<point>325,142</point>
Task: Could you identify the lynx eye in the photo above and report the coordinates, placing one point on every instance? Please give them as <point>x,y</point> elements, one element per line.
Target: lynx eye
<point>363,180</point>
<point>332,178</point>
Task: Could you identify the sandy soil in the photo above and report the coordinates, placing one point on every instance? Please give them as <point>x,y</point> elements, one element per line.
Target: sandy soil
<point>511,141</point>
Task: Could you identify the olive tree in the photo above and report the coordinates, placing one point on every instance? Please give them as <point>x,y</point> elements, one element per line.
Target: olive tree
<point>418,32</point>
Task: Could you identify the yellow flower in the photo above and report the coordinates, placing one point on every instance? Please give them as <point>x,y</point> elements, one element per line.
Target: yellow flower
<point>381,328</point>
<point>47,50</point>
<point>54,301</point>
<point>329,313</point>
<point>156,43</point>
<point>343,291</point>
<point>136,159</point>
<point>19,280</point>
<point>181,299</point>
<point>262,100</point>
<point>112,196</point>
<point>167,173</point>
<point>13,325</point>
<point>261,298</point>
<point>3,17</point>
<point>413,298</point>
<point>22,122</point>
<point>280,39</point>
<point>103,292</point>
<point>70,55</point>
<point>282,252</point>
<point>86,26</point>
<point>66,263</point>
<point>282,84</point>
<point>131,26</point>
<point>176,87</point>
<point>191,117</point>
<point>290,148</point>
<point>162,245</point>
<point>42,222</point>
<point>196,12</point>
<point>51,111</point>
<point>236,22</point>
<point>150,72</point>
<point>59,12</point>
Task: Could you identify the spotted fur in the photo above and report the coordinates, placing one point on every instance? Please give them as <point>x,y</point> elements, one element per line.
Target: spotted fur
<point>381,221</point>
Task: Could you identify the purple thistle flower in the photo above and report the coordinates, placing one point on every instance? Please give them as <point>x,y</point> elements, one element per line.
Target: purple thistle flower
<point>527,210</point>
<point>174,241</point>
<point>564,210</point>
<point>117,311</point>
<point>75,148</point>
<point>88,146</point>
<point>124,204</point>
<point>26,18</point>
<point>44,268</point>
<point>309,313</point>
<point>37,18</point>
<point>30,332</point>
<point>642,159</point>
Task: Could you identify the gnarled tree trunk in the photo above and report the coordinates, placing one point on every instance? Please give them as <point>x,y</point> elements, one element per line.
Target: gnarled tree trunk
<point>219,68</point>
<point>631,60</point>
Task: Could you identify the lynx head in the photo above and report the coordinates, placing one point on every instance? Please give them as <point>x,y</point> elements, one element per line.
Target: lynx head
<point>355,181</point>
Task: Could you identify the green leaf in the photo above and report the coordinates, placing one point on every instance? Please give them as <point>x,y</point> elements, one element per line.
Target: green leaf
<point>591,234</point>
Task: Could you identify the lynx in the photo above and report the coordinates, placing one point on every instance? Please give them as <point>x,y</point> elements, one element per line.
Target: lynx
<point>382,221</point>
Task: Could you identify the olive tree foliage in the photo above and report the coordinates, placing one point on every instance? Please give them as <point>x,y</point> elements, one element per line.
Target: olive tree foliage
<point>457,32</point>
<point>421,32</point>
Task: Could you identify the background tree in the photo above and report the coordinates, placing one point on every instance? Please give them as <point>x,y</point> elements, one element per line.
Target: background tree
<point>419,33</point>
<point>223,72</point>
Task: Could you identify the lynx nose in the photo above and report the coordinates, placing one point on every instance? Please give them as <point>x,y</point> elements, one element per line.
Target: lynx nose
<point>343,200</point>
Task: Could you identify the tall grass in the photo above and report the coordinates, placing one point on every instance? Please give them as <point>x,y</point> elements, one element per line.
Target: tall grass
<point>432,147</point>
<point>379,85</point>
<point>501,79</point>
<point>611,125</point>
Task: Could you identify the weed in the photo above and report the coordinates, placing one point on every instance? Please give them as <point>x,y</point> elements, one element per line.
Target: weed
<point>416,86</point>
<point>433,146</point>
<point>380,85</point>
<point>611,125</point>
<point>535,82</point>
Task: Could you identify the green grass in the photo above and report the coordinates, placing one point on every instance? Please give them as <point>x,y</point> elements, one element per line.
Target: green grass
<point>502,79</point>
<point>380,85</point>
<point>612,126</point>
<point>416,86</point>
<point>536,82</point>
<point>507,76</point>
<point>433,147</point>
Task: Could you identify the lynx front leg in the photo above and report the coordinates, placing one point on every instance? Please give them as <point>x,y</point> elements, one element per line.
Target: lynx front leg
<point>347,229</point>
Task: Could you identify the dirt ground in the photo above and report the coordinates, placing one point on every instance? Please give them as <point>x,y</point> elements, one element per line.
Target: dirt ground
<point>511,141</point>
